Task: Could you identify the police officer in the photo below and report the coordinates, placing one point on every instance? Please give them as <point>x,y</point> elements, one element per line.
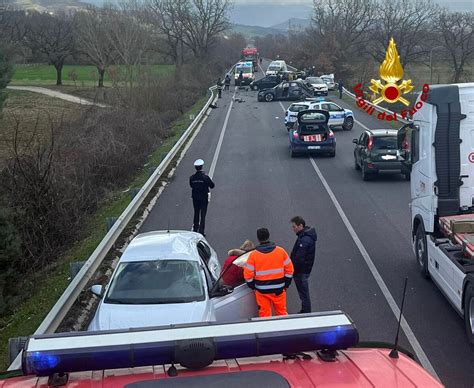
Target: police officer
<point>200,184</point>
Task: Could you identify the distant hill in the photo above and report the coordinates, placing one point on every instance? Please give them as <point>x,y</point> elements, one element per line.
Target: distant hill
<point>48,5</point>
<point>252,31</point>
<point>293,23</point>
<point>267,15</point>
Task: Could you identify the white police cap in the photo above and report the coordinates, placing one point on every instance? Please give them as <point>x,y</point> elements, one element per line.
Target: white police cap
<point>199,163</point>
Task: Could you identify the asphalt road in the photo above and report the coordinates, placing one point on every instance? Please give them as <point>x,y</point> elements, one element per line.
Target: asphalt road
<point>258,184</point>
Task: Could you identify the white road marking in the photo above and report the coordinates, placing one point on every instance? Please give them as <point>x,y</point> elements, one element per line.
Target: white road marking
<point>362,125</point>
<point>378,278</point>
<point>420,353</point>
<point>282,106</point>
<point>221,139</point>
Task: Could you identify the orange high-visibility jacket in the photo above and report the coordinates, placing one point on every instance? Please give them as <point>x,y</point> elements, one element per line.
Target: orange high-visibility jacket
<point>268,269</point>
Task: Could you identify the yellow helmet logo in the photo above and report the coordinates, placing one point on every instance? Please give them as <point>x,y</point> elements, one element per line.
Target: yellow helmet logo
<point>391,71</point>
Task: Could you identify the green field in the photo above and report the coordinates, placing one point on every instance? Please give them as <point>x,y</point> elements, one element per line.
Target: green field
<point>38,74</point>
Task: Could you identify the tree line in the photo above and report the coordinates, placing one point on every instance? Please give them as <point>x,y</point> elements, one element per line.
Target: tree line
<point>131,33</point>
<point>346,35</point>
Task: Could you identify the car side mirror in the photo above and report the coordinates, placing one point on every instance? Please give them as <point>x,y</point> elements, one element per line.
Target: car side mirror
<point>355,141</point>
<point>223,290</point>
<point>97,289</point>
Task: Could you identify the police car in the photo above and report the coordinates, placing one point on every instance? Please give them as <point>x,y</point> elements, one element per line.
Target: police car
<point>338,117</point>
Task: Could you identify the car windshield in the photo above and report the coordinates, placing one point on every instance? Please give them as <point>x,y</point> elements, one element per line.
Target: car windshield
<point>385,142</point>
<point>156,282</point>
<point>297,108</point>
<point>314,80</point>
<point>327,80</point>
<point>313,117</point>
<point>274,67</point>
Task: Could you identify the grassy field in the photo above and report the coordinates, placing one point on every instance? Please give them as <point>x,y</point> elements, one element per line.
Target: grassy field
<point>49,285</point>
<point>32,109</point>
<point>38,74</point>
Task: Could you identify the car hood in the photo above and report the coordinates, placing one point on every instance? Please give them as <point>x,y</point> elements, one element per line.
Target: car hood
<point>125,316</point>
<point>318,85</point>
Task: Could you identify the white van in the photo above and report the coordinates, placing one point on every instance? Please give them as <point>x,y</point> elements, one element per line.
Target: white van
<point>276,67</point>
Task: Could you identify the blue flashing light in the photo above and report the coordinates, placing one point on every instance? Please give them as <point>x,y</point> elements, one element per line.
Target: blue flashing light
<point>238,339</point>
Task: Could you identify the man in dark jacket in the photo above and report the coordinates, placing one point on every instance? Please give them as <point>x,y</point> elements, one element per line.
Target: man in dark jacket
<point>302,256</point>
<point>200,184</point>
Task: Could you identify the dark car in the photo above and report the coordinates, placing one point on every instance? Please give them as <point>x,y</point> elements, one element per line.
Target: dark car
<point>311,134</point>
<point>288,90</point>
<point>266,82</point>
<point>376,151</point>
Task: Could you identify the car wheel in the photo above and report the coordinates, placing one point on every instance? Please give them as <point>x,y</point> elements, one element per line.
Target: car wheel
<point>348,124</point>
<point>469,311</point>
<point>268,97</point>
<point>365,174</point>
<point>421,251</point>
<point>356,166</point>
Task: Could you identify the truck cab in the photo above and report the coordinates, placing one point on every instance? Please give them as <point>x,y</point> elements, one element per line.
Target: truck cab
<point>438,147</point>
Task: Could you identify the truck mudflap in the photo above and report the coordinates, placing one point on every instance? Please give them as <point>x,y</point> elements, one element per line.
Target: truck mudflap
<point>447,150</point>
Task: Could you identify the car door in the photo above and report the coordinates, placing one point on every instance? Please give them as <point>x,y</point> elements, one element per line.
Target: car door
<point>360,147</point>
<point>337,114</point>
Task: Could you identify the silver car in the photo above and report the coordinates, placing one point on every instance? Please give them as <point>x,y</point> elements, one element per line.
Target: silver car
<point>166,278</point>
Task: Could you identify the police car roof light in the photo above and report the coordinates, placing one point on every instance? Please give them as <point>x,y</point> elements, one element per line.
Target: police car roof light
<point>45,355</point>
<point>315,99</point>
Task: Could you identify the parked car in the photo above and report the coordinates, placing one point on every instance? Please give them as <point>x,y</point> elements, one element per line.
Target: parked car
<point>288,90</point>
<point>376,151</point>
<point>311,134</point>
<point>319,86</point>
<point>266,82</point>
<point>328,79</point>
<point>338,116</point>
<point>166,278</point>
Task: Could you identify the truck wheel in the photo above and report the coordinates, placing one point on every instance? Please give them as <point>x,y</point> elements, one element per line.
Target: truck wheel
<point>348,124</point>
<point>268,97</point>
<point>469,311</point>
<point>421,251</point>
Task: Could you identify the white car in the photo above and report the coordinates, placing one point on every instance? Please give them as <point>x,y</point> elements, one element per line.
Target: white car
<point>318,85</point>
<point>329,80</point>
<point>276,67</point>
<point>338,116</point>
<point>167,278</point>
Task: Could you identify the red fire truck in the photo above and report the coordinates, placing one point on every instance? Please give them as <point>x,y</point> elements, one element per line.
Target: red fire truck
<point>251,54</point>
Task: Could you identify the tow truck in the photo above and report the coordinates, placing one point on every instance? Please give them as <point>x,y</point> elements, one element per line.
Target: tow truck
<point>438,148</point>
<point>304,350</point>
<point>251,54</point>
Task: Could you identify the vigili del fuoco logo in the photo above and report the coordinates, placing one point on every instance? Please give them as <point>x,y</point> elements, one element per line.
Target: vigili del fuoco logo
<point>391,71</point>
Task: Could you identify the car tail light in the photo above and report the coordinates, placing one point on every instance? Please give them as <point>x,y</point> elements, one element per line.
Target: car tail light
<point>370,143</point>
<point>370,165</point>
<point>295,135</point>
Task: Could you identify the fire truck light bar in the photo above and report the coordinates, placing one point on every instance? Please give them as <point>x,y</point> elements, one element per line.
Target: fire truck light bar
<point>84,351</point>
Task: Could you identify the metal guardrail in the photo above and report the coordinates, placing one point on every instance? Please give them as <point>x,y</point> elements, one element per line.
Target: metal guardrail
<point>72,292</point>
<point>376,107</point>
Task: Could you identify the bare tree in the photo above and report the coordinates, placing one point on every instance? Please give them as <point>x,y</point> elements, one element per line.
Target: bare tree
<point>52,36</point>
<point>127,36</point>
<point>409,22</point>
<point>12,30</point>
<point>90,35</point>
<point>456,35</point>
<point>340,28</point>
<point>168,17</point>
<point>204,22</point>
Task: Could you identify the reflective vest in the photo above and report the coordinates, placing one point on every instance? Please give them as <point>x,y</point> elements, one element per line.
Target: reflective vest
<point>268,269</point>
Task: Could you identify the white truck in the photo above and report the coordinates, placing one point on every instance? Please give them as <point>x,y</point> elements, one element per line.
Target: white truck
<point>438,146</point>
